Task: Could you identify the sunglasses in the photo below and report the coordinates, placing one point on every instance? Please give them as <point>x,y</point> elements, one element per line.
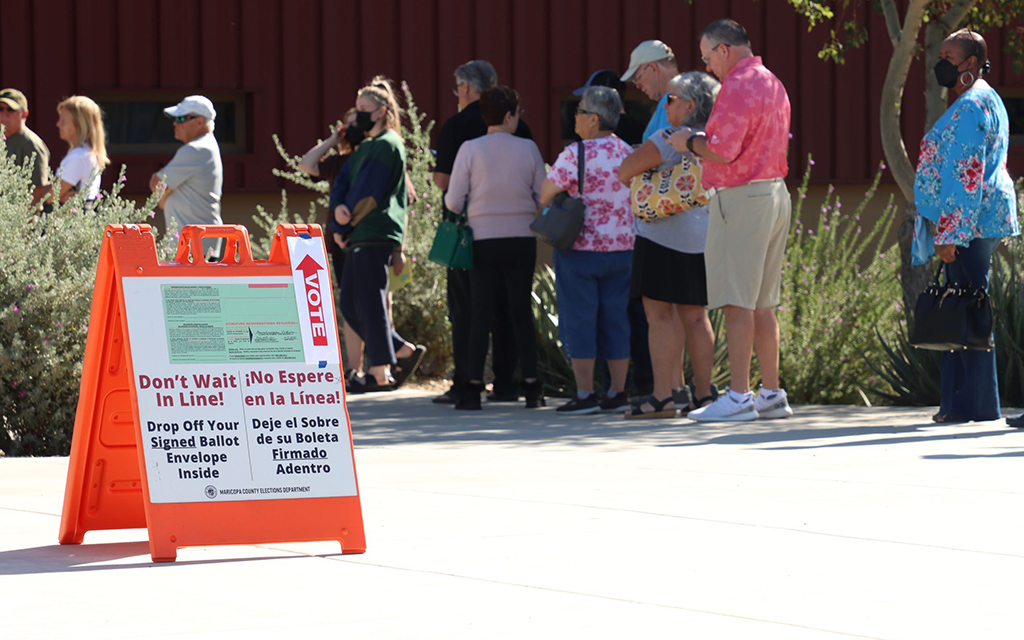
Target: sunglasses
<point>181,119</point>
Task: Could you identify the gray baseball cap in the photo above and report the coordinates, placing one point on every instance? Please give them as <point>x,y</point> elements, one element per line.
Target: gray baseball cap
<point>645,52</point>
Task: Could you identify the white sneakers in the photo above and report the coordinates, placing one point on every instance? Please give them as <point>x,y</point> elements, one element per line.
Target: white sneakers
<point>772,405</point>
<point>735,407</point>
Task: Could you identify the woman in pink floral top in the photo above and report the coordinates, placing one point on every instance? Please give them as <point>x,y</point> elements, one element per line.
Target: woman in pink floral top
<point>962,186</point>
<point>592,279</point>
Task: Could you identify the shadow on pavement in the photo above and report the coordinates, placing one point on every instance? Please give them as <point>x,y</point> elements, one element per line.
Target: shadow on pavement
<point>404,418</point>
<point>101,557</point>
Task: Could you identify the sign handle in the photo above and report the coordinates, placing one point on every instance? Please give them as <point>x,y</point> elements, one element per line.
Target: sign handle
<point>190,245</point>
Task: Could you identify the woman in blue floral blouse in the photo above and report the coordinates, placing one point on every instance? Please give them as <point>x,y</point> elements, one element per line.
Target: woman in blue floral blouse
<point>963,187</point>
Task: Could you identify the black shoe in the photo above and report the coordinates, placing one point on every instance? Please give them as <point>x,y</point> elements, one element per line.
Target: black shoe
<point>503,396</point>
<point>470,400</point>
<point>616,403</point>
<point>451,396</point>
<point>577,406</point>
<point>534,393</point>
<point>1016,423</point>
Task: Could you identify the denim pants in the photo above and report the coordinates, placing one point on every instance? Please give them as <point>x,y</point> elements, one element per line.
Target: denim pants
<point>970,385</point>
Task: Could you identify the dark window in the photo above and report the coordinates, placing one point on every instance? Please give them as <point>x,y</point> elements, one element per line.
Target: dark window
<point>1015,110</point>
<point>638,106</point>
<point>136,123</point>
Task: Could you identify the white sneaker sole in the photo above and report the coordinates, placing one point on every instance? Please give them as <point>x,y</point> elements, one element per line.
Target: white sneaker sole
<point>775,414</point>
<point>775,411</point>
<point>745,416</point>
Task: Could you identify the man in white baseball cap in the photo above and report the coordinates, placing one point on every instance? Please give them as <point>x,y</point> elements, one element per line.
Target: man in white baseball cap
<point>195,175</point>
<point>651,66</point>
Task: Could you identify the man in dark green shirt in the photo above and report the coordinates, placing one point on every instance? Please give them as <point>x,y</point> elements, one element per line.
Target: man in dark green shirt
<point>22,142</point>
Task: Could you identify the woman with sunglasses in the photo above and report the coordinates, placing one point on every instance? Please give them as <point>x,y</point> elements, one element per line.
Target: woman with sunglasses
<point>592,279</point>
<point>668,263</point>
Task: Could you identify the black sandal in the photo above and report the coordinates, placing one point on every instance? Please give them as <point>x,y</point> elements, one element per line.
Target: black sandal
<point>407,366</point>
<point>636,411</point>
<point>367,384</point>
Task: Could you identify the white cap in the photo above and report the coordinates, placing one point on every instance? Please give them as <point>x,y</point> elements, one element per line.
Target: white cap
<point>198,105</point>
<point>645,52</point>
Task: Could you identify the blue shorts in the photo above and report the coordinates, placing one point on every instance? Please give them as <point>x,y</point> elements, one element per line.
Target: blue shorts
<point>593,293</point>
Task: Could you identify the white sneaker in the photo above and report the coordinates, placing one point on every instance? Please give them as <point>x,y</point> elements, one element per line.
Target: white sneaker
<point>773,405</point>
<point>726,409</point>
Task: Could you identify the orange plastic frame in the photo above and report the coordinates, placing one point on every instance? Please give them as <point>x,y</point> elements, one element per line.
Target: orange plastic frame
<point>107,486</point>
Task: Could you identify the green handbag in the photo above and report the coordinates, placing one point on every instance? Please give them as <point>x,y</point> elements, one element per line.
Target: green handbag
<point>453,243</point>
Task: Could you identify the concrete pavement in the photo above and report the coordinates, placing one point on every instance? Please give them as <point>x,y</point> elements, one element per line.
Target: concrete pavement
<point>507,523</point>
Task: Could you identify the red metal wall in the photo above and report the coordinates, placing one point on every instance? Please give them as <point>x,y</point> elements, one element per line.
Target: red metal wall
<point>302,62</point>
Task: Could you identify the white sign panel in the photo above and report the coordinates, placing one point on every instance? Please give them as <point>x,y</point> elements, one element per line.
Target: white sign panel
<point>315,300</point>
<point>228,407</point>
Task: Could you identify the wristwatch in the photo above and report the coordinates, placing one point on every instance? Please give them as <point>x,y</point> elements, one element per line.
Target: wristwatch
<point>689,143</point>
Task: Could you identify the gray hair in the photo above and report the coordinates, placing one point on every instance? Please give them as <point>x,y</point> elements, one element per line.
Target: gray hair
<point>606,103</point>
<point>478,74</point>
<point>701,89</point>
<point>726,31</point>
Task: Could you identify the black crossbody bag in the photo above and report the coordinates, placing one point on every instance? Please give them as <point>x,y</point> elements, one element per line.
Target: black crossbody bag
<point>563,222</point>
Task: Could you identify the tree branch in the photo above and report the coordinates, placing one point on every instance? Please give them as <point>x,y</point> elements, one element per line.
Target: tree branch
<point>956,14</point>
<point>892,99</point>
<point>892,21</point>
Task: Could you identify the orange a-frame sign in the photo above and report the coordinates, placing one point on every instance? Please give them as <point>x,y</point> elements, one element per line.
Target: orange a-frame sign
<point>212,407</point>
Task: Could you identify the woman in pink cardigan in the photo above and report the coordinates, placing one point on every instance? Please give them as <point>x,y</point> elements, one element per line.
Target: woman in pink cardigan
<point>497,179</point>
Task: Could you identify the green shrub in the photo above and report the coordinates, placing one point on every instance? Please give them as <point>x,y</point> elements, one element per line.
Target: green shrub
<point>831,306</point>
<point>47,272</point>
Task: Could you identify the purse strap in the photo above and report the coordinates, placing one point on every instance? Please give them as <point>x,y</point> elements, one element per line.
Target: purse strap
<point>945,266</point>
<point>580,153</point>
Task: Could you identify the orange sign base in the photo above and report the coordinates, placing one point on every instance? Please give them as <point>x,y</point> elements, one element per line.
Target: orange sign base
<point>107,484</point>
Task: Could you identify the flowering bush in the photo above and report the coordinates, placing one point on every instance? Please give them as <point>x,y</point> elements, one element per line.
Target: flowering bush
<point>47,272</point>
<point>831,306</point>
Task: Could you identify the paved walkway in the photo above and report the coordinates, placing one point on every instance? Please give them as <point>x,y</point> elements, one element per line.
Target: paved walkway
<point>507,523</point>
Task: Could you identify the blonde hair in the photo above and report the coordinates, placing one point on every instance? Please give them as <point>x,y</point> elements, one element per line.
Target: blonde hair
<point>379,91</point>
<point>88,120</point>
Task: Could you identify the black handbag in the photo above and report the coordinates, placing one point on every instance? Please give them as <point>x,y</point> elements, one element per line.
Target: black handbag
<point>563,221</point>
<point>953,316</point>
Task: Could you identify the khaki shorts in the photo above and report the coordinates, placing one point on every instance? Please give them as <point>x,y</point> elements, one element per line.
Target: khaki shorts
<point>747,230</point>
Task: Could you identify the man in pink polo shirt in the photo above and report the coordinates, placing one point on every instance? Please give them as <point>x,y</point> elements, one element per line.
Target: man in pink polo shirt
<point>744,150</point>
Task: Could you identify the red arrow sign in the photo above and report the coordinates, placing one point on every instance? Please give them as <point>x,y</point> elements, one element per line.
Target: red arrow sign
<point>310,269</point>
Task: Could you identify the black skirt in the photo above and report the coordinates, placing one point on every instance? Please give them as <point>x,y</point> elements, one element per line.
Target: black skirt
<point>662,274</point>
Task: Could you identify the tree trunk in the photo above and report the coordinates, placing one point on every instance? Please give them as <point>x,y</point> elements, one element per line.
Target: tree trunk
<point>892,142</point>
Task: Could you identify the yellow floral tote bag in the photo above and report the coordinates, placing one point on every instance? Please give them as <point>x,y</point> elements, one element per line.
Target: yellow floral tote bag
<point>659,194</point>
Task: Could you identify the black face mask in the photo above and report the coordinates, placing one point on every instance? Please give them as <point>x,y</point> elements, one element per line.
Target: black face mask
<point>354,135</point>
<point>946,73</point>
<point>363,121</point>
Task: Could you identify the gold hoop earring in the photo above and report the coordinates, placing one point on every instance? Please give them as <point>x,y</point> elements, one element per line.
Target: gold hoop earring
<point>968,73</point>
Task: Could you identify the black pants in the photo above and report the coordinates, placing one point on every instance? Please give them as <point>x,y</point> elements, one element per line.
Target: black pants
<point>364,302</point>
<point>508,262</point>
<point>460,309</point>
